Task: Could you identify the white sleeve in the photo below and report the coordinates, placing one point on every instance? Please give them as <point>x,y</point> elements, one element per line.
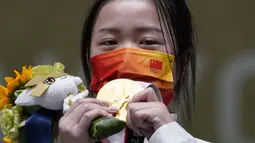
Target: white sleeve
<point>173,133</point>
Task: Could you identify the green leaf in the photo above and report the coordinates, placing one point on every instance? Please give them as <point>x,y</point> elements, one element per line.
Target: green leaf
<point>104,127</point>
<point>18,92</point>
<point>10,119</point>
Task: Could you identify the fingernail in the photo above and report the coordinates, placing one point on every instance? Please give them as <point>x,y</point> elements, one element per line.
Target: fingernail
<point>110,115</point>
<point>112,109</point>
<point>105,103</point>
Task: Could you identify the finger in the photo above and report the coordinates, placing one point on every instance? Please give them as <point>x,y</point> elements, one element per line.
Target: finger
<point>144,105</point>
<point>148,132</point>
<point>77,114</point>
<point>141,112</point>
<point>147,95</point>
<point>128,120</point>
<point>155,116</point>
<point>64,125</point>
<point>137,120</point>
<point>82,101</point>
<point>133,119</point>
<point>144,125</point>
<point>141,118</point>
<point>131,125</point>
<point>69,128</point>
<point>75,117</point>
<point>91,115</point>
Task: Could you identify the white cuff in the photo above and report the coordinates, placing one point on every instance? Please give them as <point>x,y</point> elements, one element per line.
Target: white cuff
<point>172,133</point>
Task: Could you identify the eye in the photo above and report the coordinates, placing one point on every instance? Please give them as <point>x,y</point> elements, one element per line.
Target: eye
<point>149,42</point>
<point>109,42</point>
<point>49,81</point>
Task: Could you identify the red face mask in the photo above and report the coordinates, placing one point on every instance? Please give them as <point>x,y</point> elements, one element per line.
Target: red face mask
<point>135,64</point>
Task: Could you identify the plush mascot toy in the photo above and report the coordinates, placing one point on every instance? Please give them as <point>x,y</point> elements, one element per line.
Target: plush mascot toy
<point>33,102</point>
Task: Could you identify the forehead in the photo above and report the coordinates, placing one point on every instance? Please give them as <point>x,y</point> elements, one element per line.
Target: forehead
<point>127,14</point>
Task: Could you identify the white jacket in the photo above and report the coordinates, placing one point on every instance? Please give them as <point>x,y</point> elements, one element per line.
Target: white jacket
<point>173,133</point>
<point>169,133</point>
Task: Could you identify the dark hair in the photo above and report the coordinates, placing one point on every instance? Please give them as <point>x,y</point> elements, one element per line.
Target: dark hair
<point>176,17</point>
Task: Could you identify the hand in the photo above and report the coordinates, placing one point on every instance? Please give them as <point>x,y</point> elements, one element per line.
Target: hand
<point>74,125</point>
<point>146,113</point>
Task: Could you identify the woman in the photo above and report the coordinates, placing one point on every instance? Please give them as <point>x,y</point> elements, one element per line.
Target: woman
<point>156,25</point>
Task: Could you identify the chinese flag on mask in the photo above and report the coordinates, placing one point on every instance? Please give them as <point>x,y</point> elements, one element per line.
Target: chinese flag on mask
<point>155,64</point>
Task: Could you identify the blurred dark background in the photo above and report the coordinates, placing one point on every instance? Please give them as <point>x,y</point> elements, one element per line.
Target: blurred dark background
<point>43,32</point>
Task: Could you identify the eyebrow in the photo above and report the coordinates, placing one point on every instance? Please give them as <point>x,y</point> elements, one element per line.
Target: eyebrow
<point>139,29</point>
<point>110,30</point>
<point>148,29</point>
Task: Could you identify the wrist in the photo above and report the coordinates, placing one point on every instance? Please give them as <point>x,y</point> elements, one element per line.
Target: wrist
<point>163,121</point>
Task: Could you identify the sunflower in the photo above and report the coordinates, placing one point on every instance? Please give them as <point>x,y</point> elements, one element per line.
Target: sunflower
<point>20,79</point>
<point>3,96</point>
<point>12,83</point>
<point>26,74</point>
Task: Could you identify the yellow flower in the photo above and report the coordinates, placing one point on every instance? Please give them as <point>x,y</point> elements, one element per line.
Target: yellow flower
<point>7,96</point>
<point>26,74</point>
<point>7,140</point>
<point>3,96</point>
<point>13,83</point>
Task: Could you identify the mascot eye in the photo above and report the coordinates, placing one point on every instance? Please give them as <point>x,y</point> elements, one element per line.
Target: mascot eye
<point>63,77</point>
<point>49,81</point>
